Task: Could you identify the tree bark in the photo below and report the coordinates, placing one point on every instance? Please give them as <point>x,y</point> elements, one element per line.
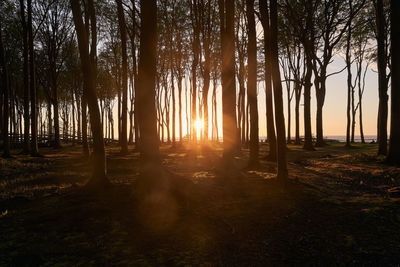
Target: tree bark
<point>6,107</point>
<point>146,85</point>
<point>124,110</point>
<point>252,82</point>
<point>227,13</point>
<point>394,143</point>
<point>279,117</point>
<point>268,80</point>
<point>26,77</point>
<point>99,160</point>
<point>383,97</point>
<point>32,85</point>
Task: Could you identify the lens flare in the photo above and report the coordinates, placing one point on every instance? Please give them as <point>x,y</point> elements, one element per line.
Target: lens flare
<point>199,124</point>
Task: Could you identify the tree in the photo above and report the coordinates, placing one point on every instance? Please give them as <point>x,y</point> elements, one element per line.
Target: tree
<point>5,89</point>
<point>195,19</point>
<point>394,143</point>
<point>279,117</point>
<point>264,14</point>
<point>149,150</point>
<point>54,35</point>
<point>99,170</point>
<point>124,127</point>
<point>382,83</point>
<point>26,76</point>
<point>227,13</point>
<point>32,84</point>
<point>252,82</point>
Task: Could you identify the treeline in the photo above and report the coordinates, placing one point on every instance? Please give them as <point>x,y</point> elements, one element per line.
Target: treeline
<point>66,64</point>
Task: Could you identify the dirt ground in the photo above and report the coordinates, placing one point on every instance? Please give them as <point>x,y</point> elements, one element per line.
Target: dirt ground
<point>341,207</point>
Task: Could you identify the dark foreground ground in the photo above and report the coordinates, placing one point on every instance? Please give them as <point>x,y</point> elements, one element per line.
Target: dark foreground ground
<point>342,207</point>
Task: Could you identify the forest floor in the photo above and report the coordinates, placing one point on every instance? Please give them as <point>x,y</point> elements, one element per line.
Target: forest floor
<point>341,207</point>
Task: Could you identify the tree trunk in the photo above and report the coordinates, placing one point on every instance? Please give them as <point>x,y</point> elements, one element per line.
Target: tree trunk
<point>268,81</point>
<point>26,77</point>
<point>34,140</point>
<point>6,107</point>
<point>85,145</point>
<point>383,97</point>
<point>99,159</point>
<point>394,143</point>
<point>206,87</point>
<point>320,97</point>
<point>279,117</point>
<point>146,85</point>
<point>180,80</point>
<point>124,110</point>
<point>349,86</point>
<point>196,51</point>
<point>56,114</point>
<point>215,107</point>
<point>252,82</point>
<point>307,106</point>
<point>227,13</point>
<point>73,118</point>
<point>289,137</point>
<point>173,107</point>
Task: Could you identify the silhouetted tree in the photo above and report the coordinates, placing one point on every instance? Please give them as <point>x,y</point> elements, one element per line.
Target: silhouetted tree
<point>99,170</point>
<point>265,20</point>
<point>227,14</point>
<point>382,83</point>
<point>124,118</point>
<point>252,82</point>
<point>276,78</point>
<point>394,143</point>
<point>5,89</point>
<point>146,84</point>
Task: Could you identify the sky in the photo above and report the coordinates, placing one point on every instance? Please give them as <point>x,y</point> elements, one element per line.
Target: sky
<point>334,111</point>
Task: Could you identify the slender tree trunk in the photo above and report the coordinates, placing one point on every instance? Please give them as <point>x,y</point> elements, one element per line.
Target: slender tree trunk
<point>187,111</point>
<point>6,107</point>
<point>349,83</point>
<point>34,140</point>
<point>289,137</point>
<point>196,50</point>
<point>26,77</point>
<point>78,115</point>
<point>99,159</point>
<point>180,80</point>
<point>56,114</point>
<point>173,107</point>
<point>383,97</point>
<point>124,110</point>
<point>73,118</point>
<point>215,107</point>
<point>268,81</point>
<point>131,110</point>
<point>206,87</point>
<point>49,121</point>
<point>307,106</point>
<point>297,112</point>
<point>394,143</point>
<point>279,117</point>
<point>252,82</point>
<point>320,97</point>
<point>353,116</point>
<point>85,145</point>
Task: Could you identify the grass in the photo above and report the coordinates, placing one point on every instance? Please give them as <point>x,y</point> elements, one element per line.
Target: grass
<point>340,208</point>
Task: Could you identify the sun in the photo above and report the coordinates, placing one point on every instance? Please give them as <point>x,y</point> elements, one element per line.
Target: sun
<point>199,124</point>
